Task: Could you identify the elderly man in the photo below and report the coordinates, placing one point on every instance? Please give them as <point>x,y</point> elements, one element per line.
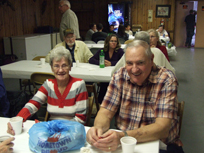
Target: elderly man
<point>78,49</point>
<point>142,97</point>
<point>69,19</point>
<point>159,57</point>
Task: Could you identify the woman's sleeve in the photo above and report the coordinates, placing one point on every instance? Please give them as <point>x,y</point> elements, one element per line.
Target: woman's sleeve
<point>82,103</point>
<point>35,103</point>
<point>95,59</point>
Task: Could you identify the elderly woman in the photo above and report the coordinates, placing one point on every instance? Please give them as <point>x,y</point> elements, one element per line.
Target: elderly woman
<point>66,96</point>
<point>154,42</point>
<point>113,53</point>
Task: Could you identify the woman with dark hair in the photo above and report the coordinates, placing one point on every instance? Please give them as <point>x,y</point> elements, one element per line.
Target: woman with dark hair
<point>154,42</point>
<point>113,53</point>
<point>122,35</point>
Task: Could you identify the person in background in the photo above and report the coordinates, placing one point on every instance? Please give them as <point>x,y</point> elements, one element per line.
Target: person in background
<point>159,57</point>
<point>111,30</point>
<point>154,42</point>
<point>122,36</point>
<point>127,29</point>
<point>113,53</point>
<point>4,103</point>
<point>91,31</point>
<point>162,31</point>
<point>190,24</point>
<point>100,35</point>
<point>69,19</point>
<point>78,49</point>
<point>143,99</point>
<point>6,145</point>
<point>66,96</point>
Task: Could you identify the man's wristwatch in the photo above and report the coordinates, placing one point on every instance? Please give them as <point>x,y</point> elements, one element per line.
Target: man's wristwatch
<point>125,133</point>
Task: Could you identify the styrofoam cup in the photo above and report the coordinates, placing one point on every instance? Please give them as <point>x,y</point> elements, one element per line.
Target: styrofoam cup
<point>42,61</point>
<point>16,123</point>
<point>128,144</point>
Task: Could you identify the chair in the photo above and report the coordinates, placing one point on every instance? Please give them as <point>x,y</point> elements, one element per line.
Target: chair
<point>91,88</point>
<point>128,41</point>
<point>91,99</point>
<point>135,27</point>
<point>94,50</point>
<point>100,42</point>
<point>38,78</point>
<point>180,114</point>
<point>89,42</point>
<point>27,82</point>
<point>37,58</point>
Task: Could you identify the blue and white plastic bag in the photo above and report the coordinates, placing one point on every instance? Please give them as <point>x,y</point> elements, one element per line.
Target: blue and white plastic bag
<point>56,136</point>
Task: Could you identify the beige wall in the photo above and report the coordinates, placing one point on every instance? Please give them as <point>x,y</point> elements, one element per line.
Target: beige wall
<point>180,27</point>
<point>199,40</point>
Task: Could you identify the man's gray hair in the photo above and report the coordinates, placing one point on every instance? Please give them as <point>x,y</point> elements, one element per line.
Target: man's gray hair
<point>143,35</point>
<point>66,2</point>
<point>138,43</point>
<point>58,53</point>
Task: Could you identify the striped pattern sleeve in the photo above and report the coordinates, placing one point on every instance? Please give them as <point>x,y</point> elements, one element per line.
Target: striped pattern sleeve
<point>81,102</point>
<point>34,104</point>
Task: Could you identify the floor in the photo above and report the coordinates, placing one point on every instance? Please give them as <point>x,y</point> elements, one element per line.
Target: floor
<point>189,67</point>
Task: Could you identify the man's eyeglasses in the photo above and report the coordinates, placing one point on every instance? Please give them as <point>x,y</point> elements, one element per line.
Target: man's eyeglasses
<point>152,36</point>
<point>63,67</point>
<point>69,38</point>
<point>113,41</point>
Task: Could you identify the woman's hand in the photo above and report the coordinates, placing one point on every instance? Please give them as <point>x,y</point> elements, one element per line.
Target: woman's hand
<point>10,129</point>
<point>6,146</point>
<point>107,63</point>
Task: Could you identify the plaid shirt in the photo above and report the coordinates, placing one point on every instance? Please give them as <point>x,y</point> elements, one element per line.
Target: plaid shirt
<point>136,106</point>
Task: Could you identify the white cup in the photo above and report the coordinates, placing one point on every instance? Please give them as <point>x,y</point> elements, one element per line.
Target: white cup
<point>138,30</point>
<point>77,63</point>
<point>42,61</point>
<point>16,123</point>
<point>128,144</point>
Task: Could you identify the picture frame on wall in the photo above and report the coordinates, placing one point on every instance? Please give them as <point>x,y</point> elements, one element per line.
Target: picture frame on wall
<point>163,11</point>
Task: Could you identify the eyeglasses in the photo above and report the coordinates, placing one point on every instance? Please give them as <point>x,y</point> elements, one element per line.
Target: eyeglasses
<point>152,36</point>
<point>113,41</point>
<point>63,67</point>
<point>69,38</point>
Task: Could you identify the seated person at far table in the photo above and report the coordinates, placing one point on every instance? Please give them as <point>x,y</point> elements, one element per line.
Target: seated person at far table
<point>78,49</point>
<point>66,96</point>
<point>127,29</point>
<point>111,30</point>
<point>113,53</point>
<point>6,145</point>
<point>154,42</point>
<point>142,97</point>
<point>91,31</point>
<point>159,57</point>
<point>100,35</point>
<point>162,31</point>
<point>4,103</point>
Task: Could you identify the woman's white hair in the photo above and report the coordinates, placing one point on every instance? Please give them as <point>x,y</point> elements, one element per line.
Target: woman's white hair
<point>58,53</point>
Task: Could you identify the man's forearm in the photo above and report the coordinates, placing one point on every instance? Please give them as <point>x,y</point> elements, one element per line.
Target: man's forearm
<point>103,119</point>
<point>155,131</point>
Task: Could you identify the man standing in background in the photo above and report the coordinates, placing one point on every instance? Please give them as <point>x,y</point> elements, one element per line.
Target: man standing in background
<point>69,19</point>
<point>190,23</point>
